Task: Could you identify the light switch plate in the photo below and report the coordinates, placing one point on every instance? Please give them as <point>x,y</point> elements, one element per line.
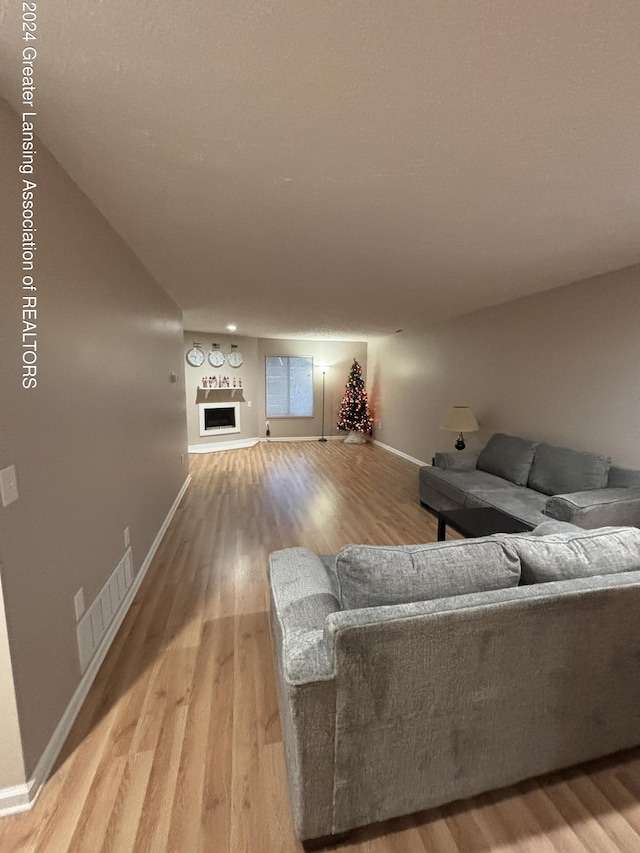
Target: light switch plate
<point>8,485</point>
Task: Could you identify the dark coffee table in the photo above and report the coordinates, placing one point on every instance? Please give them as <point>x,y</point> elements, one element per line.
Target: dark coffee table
<point>479,522</point>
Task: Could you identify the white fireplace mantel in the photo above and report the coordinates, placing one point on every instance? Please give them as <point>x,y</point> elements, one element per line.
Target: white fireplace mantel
<point>220,395</point>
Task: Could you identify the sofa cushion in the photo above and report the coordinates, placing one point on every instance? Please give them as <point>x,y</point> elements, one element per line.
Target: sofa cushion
<point>560,470</point>
<point>508,457</point>
<point>372,576</point>
<point>564,556</point>
<point>623,478</point>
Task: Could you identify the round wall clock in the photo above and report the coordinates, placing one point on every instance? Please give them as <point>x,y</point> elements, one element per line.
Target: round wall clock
<point>195,356</point>
<point>216,358</point>
<point>235,358</point>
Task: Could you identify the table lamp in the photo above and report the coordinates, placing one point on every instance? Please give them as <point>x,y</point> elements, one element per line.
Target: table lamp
<point>461,419</point>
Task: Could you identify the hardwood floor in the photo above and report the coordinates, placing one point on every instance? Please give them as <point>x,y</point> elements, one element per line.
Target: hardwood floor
<point>178,746</point>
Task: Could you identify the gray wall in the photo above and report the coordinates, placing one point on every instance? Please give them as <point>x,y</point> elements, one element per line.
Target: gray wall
<point>97,445</point>
<point>561,366</point>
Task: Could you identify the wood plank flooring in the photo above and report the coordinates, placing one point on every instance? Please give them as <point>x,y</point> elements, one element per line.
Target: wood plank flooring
<point>178,746</point>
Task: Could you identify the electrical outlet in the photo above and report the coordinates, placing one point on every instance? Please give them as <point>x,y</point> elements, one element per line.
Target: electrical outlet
<point>127,537</point>
<point>248,404</point>
<point>182,458</point>
<point>8,485</point>
<point>78,602</point>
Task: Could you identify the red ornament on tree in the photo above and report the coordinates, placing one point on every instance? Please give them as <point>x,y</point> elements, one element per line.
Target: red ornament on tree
<point>354,409</point>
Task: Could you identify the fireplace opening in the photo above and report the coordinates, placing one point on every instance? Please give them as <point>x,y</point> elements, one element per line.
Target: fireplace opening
<point>219,418</point>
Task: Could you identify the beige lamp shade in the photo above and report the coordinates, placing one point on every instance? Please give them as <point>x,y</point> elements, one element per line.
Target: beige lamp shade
<point>461,419</point>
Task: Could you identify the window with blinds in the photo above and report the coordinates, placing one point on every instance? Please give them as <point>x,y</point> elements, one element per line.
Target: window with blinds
<point>289,384</point>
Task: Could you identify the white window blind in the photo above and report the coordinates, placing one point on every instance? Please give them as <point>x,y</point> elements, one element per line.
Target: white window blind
<point>289,383</point>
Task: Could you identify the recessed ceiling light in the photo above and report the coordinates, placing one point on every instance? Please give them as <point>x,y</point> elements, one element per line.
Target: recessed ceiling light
<point>231,327</point>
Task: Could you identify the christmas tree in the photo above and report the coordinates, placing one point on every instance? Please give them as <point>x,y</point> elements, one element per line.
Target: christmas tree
<point>354,409</point>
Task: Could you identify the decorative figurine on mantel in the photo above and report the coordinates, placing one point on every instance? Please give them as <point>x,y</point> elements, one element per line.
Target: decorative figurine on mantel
<point>209,382</point>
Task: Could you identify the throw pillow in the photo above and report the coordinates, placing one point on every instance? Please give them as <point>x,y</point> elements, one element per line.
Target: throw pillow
<point>508,457</point>
<point>563,556</point>
<point>372,576</point>
<point>560,470</point>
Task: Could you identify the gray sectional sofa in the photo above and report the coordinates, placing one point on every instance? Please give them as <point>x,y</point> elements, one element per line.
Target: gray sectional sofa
<point>533,481</point>
<point>414,676</point>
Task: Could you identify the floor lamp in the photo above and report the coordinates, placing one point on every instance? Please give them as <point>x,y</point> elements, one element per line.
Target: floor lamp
<point>324,373</point>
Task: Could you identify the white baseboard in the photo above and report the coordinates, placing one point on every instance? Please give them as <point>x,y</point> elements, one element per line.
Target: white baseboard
<point>400,453</point>
<point>222,445</point>
<point>305,438</point>
<point>21,798</point>
<point>17,799</point>
<point>251,442</point>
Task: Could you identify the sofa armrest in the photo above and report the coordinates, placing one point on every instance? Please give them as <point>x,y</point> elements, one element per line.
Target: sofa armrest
<point>457,460</point>
<point>302,596</point>
<point>597,508</point>
<point>548,528</point>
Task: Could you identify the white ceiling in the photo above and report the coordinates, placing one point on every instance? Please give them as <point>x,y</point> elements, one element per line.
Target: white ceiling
<point>342,168</point>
